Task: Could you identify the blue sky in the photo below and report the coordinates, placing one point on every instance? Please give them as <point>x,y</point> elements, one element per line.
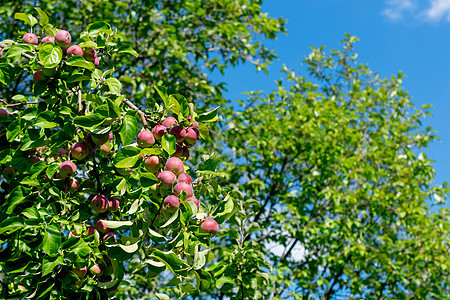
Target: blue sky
<point>412,36</point>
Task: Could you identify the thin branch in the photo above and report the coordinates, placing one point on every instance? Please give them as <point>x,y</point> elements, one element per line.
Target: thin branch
<point>140,112</point>
<point>21,103</point>
<point>28,56</point>
<point>80,106</point>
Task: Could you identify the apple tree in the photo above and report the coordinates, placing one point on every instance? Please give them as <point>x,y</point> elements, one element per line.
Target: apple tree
<point>98,197</point>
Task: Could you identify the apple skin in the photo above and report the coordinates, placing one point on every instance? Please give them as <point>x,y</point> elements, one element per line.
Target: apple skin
<point>30,38</point>
<point>101,227</point>
<point>96,270</point>
<point>90,230</point>
<point>80,150</point>
<point>96,62</point>
<point>184,178</point>
<point>74,185</point>
<point>114,204</point>
<point>159,131</point>
<point>183,186</point>
<point>192,135</point>
<point>67,169</point>
<point>175,165</point>
<point>178,151</point>
<point>47,39</point>
<point>153,164</point>
<point>3,112</point>
<point>90,54</point>
<point>171,203</point>
<point>179,132</point>
<point>74,50</point>
<point>100,140</point>
<point>209,226</point>
<point>167,178</point>
<point>63,39</point>
<point>80,272</point>
<point>195,200</point>
<point>38,76</point>
<point>145,139</point>
<point>194,124</point>
<point>169,122</point>
<point>100,203</point>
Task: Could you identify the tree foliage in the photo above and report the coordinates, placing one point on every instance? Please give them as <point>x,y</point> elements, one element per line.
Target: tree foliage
<point>331,168</point>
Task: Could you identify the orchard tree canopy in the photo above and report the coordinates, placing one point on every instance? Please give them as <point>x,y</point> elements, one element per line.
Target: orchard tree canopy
<point>320,188</point>
<point>177,41</point>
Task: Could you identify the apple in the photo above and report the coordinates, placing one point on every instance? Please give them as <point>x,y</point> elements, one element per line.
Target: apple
<point>30,38</point>
<point>159,131</point>
<point>145,139</point>
<point>79,150</point>
<point>209,226</point>
<point>3,112</point>
<point>195,200</point>
<point>21,287</point>
<point>192,135</point>
<point>179,132</point>
<point>167,178</point>
<point>38,76</point>
<point>90,230</point>
<point>169,122</point>
<point>90,54</point>
<point>100,203</point>
<point>184,178</point>
<point>114,204</point>
<point>74,50</point>
<point>47,39</point>
<point>194,124</point>
<point>74,185</point>
<point>110,235</point>
<point>100,140</point>
<point>34,159</point>
<point>67,169</point>
<point>153,164</point>
<point>104,150</point>
<point>175,165</point>
<point>171,203</point>
<point>96,270</point>
<point>81,273</point>
<point>183,187</point>
<point>101,227</point>
<point>186,153</point>
<point>63,39</point>
<point>178,151</point>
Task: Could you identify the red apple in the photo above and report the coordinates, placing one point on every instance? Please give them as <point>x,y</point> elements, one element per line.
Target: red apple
<point>179,132</point>
<point>47,39</point>
<point>101,227</point>
<point>159,131</point>
<point>96,270</point>
<point>171,203</point>
<point>184,178</point>
<point>183,187</point>
<point>209,226</point>
<point>169,122</point>
<point>90,54</point>
<point>90,230</point>
<point>79,150</point>
<point>100,203</point>
<point>167,178</point>
<point>3,112</point>
<point>145,139</point>
<point>175,165</point>
<point>30,38</point>
<point>192,135</point>
<point>38,76</point>
<point>67,169</point>
<point>114,204</point>
<point>153,164</point>
<point>63,38</point>
<point>74,50</point>
<point>195,200</point>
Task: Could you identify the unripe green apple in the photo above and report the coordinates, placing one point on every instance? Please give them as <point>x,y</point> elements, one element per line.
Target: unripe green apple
<point>100,140</point>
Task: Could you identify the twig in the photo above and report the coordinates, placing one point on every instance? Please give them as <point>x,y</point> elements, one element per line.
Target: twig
<point>140,112</point>
<point>28,56</point>
<point>80,106</point>
<point>21,103</point>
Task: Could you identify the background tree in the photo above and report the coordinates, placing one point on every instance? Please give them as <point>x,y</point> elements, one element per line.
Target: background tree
<point>330,164</point>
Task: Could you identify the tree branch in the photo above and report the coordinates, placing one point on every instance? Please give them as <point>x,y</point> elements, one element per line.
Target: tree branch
<point>23,54</point>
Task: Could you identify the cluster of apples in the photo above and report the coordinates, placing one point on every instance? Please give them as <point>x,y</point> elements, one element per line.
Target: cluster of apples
<point>62,39</point>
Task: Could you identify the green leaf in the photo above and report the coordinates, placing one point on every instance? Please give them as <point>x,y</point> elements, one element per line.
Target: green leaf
<point>126,48</point>
<point>77,246</point>
<point>210,116</point>
<point>148,179</point>
<point>94,29</point>
<point>78,61</point>
<point>114,85</point>
<point>50,55</point>
<point>45,120</point>
<point>117,224</point>
<point>127,157</point>
<point>52,239</point>
<point>222,280</point>
<point>162,91</point>
<point>11,225</point>
<point>43,16</point>
<point>225,209</point>
<point>129,129</point>
<point>77,78</point>
<point>179,105</point>
<point>209,164</point>
<point>15,198</point>
<point>27,18</point>
<point>168,143</point>
<point>50,263</point>
<point>127,248</point>
<point>90,121</point>
<point>172,219</point>
<point>151,151</point>
<point>16,50</point>
<point>162,296</point>
<point>172,261</point>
